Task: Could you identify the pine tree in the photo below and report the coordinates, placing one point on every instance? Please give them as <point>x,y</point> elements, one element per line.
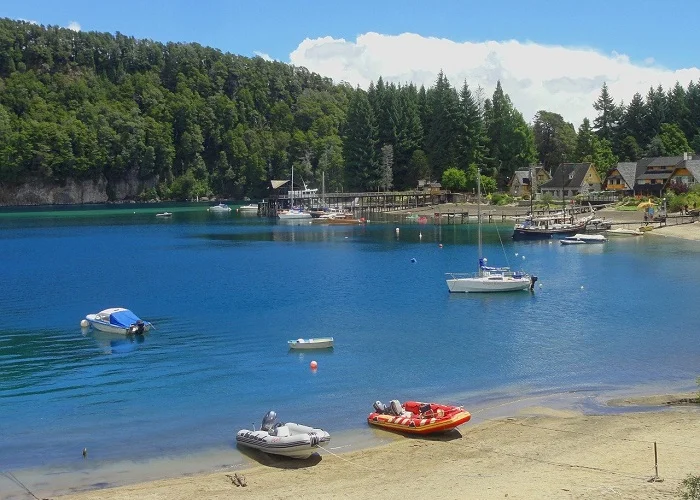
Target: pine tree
<point>555,139</point>
<point>608,115</point>
<point>410,135</point>
<point>361,168</point>
<point>440,138</point>
<point>677,109</point>
<point>634,119</point>
<point>656,111</point>
<point>471,136</point>
<point>585,141</point>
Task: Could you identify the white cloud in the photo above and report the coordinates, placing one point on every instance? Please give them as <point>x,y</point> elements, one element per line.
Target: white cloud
<point>565,80</point>
<point>263,55</point>
<point>73,25</point>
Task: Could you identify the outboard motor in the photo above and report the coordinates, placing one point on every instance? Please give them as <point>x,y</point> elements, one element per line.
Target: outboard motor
<point>396,408</point>
<point>137,328</point>
<point>268,421</point>
<point>380,407</point>
<point>533,280</point>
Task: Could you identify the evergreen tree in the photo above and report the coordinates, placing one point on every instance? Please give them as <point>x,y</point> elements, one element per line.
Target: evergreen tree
<point>359,144</point>
<point>585,141</point>
<point>608,115</point>
<point>511,139</point>
<point>440,138</point>
<point>634,120</point>
<point>656,111</point>
<point>410,135</point>
<point>471,136</point>
<point>387,176</point>
<point>678,112</point>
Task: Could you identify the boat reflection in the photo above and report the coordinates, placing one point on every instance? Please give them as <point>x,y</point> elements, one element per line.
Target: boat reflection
<point>112,343</point>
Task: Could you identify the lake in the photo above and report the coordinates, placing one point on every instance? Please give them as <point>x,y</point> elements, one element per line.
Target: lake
<point>226,291</point>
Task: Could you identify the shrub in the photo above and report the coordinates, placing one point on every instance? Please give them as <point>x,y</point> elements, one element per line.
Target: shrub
<point>690,488</point>
<point>501,199</point>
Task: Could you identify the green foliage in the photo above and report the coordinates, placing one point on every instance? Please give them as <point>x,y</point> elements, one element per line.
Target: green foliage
<point>673,139</point>
<point>689,488</point>
<point>555,139</point>
<point>454,179</point>
<point>501,199</point>
<point>547,199</point>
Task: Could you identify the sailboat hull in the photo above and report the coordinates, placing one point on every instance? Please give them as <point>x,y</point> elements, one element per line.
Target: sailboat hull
<point>479,284</point>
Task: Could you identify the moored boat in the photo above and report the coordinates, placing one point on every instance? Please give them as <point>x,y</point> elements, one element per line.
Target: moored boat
<point>164,214</point>
<point>579,239</point>
<point>249,208</point>
<point>289,440</point>
<point>118,320</point>
<point>414,417</point>
<point>220,208</point>
<point>317,343</point>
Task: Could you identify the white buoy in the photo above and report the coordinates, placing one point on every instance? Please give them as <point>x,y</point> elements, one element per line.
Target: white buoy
<point>420,236</point>
<point>397,230</point>
<point>581,287</point>
<point>84,323</point>
<point>540,285</point>
<point>516,254</point>
<point>413,259</point>
<point>523,257</point>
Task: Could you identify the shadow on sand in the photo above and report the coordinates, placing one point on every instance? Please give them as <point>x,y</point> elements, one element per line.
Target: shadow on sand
<point>446,436</point>
<point>278,461</point>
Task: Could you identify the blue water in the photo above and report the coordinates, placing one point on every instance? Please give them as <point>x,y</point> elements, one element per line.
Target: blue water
<point>226,292</point>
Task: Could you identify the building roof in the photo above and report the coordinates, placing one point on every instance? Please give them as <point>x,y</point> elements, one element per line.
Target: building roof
<point>278,184</point>
<point>665,161</point>
<point>523,177</point>
<point>693,167</point>
<point>628,171</point>
<point>567,175</point>
<point>655,175</point>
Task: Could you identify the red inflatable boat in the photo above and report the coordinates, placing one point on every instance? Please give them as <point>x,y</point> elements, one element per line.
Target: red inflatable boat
<point>415,417</point>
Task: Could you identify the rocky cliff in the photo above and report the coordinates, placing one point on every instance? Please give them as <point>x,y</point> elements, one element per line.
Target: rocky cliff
<point>74,192</point>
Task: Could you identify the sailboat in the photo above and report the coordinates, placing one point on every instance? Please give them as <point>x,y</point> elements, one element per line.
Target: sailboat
<point>488,279</point>
<point>293,213</point>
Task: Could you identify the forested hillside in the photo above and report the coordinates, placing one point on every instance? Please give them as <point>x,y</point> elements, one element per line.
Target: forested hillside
<point>182,120</point>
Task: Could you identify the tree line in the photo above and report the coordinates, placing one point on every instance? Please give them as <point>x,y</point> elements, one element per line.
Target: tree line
<point>197,122</point>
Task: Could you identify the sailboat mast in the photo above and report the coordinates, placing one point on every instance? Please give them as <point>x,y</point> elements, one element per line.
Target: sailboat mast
<point>292,195</point>
<point>478,209</point>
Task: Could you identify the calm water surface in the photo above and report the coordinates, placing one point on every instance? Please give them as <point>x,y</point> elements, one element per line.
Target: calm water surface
<point>226,292</point>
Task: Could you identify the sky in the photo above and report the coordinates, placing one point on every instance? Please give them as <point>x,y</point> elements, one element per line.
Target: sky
<point>551,55</point>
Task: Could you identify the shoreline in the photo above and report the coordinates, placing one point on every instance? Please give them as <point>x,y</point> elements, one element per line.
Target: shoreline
<point>492,455</point>
<point>538,453</point>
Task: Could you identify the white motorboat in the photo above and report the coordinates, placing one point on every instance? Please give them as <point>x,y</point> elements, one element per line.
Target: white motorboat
<point>621,231</point>
<point>489,279</point>
<point>118,320</point>
<point>579,239</point>
<point>319,343</point>
<point>249,208</point>
<point>293,213</point>
<point>289,440</point>
<point>164,214</point>
<point>220,208</point>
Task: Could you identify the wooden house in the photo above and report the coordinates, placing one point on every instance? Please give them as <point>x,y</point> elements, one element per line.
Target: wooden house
<point>686,173</point>
<point>520,184</point>
<point>571,179</point>
<point>621,178</point>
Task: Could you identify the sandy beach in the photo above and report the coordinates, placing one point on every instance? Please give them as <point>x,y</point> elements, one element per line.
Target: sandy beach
<point>534,454</point>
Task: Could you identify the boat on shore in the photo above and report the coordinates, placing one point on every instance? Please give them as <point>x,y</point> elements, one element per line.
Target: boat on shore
<point>621,231</point>
<point>315,343</point>
<point>118,320</point>
<point>583,239</point>
<point>289,440</point>
<point>414,417</point>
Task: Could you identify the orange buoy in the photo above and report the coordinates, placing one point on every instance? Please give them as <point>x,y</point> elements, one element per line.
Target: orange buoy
<point>313,365</point>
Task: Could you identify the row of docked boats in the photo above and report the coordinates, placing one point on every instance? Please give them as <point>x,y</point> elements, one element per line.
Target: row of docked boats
<point>301,441</point>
